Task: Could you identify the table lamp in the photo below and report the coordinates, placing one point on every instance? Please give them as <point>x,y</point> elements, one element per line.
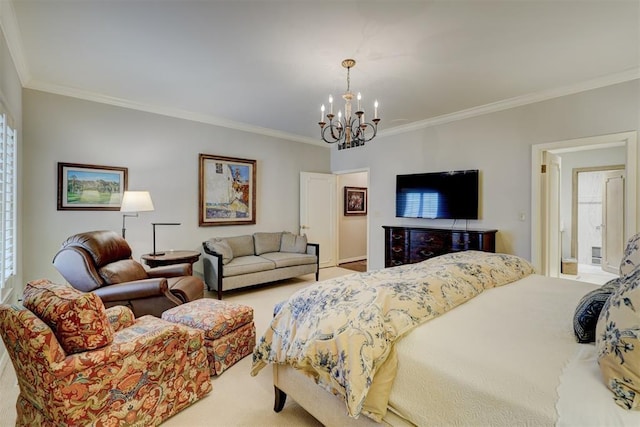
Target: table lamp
<point>134,201</point>
<point>154,235</point>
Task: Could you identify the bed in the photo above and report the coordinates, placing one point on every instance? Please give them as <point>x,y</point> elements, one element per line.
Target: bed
<point>496,348</point>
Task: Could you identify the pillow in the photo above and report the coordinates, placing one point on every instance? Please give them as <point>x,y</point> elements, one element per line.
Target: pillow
<point>618,342</point>
<point>78,320</point>
<point>267,242</point>
<point>293,243</point>
<point>222,247</point>
<point>125,270</point>
<point>631,257</point>
<point>588,310</point>
<point>241,245</point>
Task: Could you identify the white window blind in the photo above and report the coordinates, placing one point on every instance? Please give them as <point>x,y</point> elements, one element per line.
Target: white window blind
<point>8,199</point>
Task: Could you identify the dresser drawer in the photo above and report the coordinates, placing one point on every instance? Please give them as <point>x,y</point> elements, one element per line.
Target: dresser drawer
<point>427,244</point>
<point>461,241</point>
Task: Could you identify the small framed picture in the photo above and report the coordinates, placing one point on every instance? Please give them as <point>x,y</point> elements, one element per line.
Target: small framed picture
<point>227,191</point>
<point>90,187</point>
<point>355,201</point>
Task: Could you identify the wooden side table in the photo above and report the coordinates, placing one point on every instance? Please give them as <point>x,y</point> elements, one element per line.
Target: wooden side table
<point>171,257</point>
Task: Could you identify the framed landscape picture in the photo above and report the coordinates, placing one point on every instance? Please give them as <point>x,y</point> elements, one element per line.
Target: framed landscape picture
<point>227,191</point>
<point>90,187</point>
<point>355,201</point>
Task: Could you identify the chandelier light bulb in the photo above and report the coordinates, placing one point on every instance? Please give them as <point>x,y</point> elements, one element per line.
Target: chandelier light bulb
<point>375,109</point>
<point>359,98</point>
<point>330,104</point>
<point>322,113</point>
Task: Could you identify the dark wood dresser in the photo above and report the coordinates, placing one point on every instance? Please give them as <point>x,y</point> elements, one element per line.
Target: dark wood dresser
<point>407,245</point>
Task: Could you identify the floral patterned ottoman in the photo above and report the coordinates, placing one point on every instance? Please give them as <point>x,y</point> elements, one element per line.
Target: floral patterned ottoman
<point>228,328</point>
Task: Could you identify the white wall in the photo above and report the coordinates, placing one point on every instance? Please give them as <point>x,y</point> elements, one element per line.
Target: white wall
<point>499,144</point>
<point>161,154</point>
<point>352,230</point>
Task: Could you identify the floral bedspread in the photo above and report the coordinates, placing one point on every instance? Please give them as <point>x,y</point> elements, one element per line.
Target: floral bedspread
<point>341,331</point>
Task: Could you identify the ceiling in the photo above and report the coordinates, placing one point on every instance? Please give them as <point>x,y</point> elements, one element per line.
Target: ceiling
<point>266,66</point>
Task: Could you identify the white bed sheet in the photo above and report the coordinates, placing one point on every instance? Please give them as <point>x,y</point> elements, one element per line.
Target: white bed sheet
<point>507,357</point>
<point>498,360</point>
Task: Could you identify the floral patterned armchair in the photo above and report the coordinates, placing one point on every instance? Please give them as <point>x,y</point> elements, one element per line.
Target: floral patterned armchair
<point>78,363</point>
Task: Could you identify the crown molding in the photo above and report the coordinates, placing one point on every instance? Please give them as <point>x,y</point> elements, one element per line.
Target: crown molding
<point>625,76</point>
<point>165,111</point>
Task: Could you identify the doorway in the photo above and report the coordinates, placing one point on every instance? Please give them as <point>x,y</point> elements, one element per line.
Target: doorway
<point>352,228</point>
<point>342,238</point>
<point>540,230</point>
<point>596,254</point>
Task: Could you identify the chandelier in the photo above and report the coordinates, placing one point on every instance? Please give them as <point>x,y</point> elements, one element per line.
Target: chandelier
<point>348,131</point>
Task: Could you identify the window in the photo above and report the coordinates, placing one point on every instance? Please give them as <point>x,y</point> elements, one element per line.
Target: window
<point>8,201</point>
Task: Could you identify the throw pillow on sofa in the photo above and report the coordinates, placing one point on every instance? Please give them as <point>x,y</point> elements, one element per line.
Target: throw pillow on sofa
<point>293,243</point>
<point>78,320</point>
<point>267,242</point>
<point>222,247</point>
<point>241,245</point>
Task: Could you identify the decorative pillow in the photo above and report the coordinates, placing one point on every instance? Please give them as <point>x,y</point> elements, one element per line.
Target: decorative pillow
<point>588,310</point>
<point>618,342</point>
<point>293,243</point>
<point>78,320</point>
<point>222,247</point>
<point>631,258</point>
<point>267,242</point>
<point>125,270</point>
<point>241,245</point>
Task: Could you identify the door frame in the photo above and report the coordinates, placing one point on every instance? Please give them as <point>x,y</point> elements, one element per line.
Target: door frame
<point>539,241</point>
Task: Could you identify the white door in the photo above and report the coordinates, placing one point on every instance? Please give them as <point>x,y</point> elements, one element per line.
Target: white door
<point>612,220</point>
<point>318,213</point>
<point>551,214</point>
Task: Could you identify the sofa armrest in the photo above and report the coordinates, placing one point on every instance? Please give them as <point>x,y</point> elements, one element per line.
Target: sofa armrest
<point>173,270</point>
<point>212,266</point>
<point>133,290</point>
<point>314,249</point>
<point>120,317</point>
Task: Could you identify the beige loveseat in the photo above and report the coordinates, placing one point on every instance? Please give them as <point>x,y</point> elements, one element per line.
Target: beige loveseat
<point>241,261</point>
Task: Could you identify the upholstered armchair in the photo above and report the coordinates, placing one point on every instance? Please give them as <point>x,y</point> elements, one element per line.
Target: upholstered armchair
<point>79,364</point>
<point>100,262</point>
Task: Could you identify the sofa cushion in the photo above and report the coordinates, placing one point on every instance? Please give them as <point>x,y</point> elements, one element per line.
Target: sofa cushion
<point>125,270</point>
<point>266,242</point>
<point>241,245</point>
<point>78,320</point>
<point>287,259</point>
<point>293,243</point>
<point>248,264</point>
<point>222,247</point>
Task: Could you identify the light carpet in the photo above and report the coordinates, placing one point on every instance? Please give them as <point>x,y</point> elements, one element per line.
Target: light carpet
<point>237,398</point>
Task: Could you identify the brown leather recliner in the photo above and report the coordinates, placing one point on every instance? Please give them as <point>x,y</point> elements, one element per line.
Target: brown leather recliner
<point>101,262</point>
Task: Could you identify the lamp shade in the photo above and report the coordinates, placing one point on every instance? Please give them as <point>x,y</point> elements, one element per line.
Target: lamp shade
<point>136,201</point>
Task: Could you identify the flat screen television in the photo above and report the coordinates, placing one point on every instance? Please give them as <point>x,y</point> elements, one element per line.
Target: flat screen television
<point>438,195</point>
